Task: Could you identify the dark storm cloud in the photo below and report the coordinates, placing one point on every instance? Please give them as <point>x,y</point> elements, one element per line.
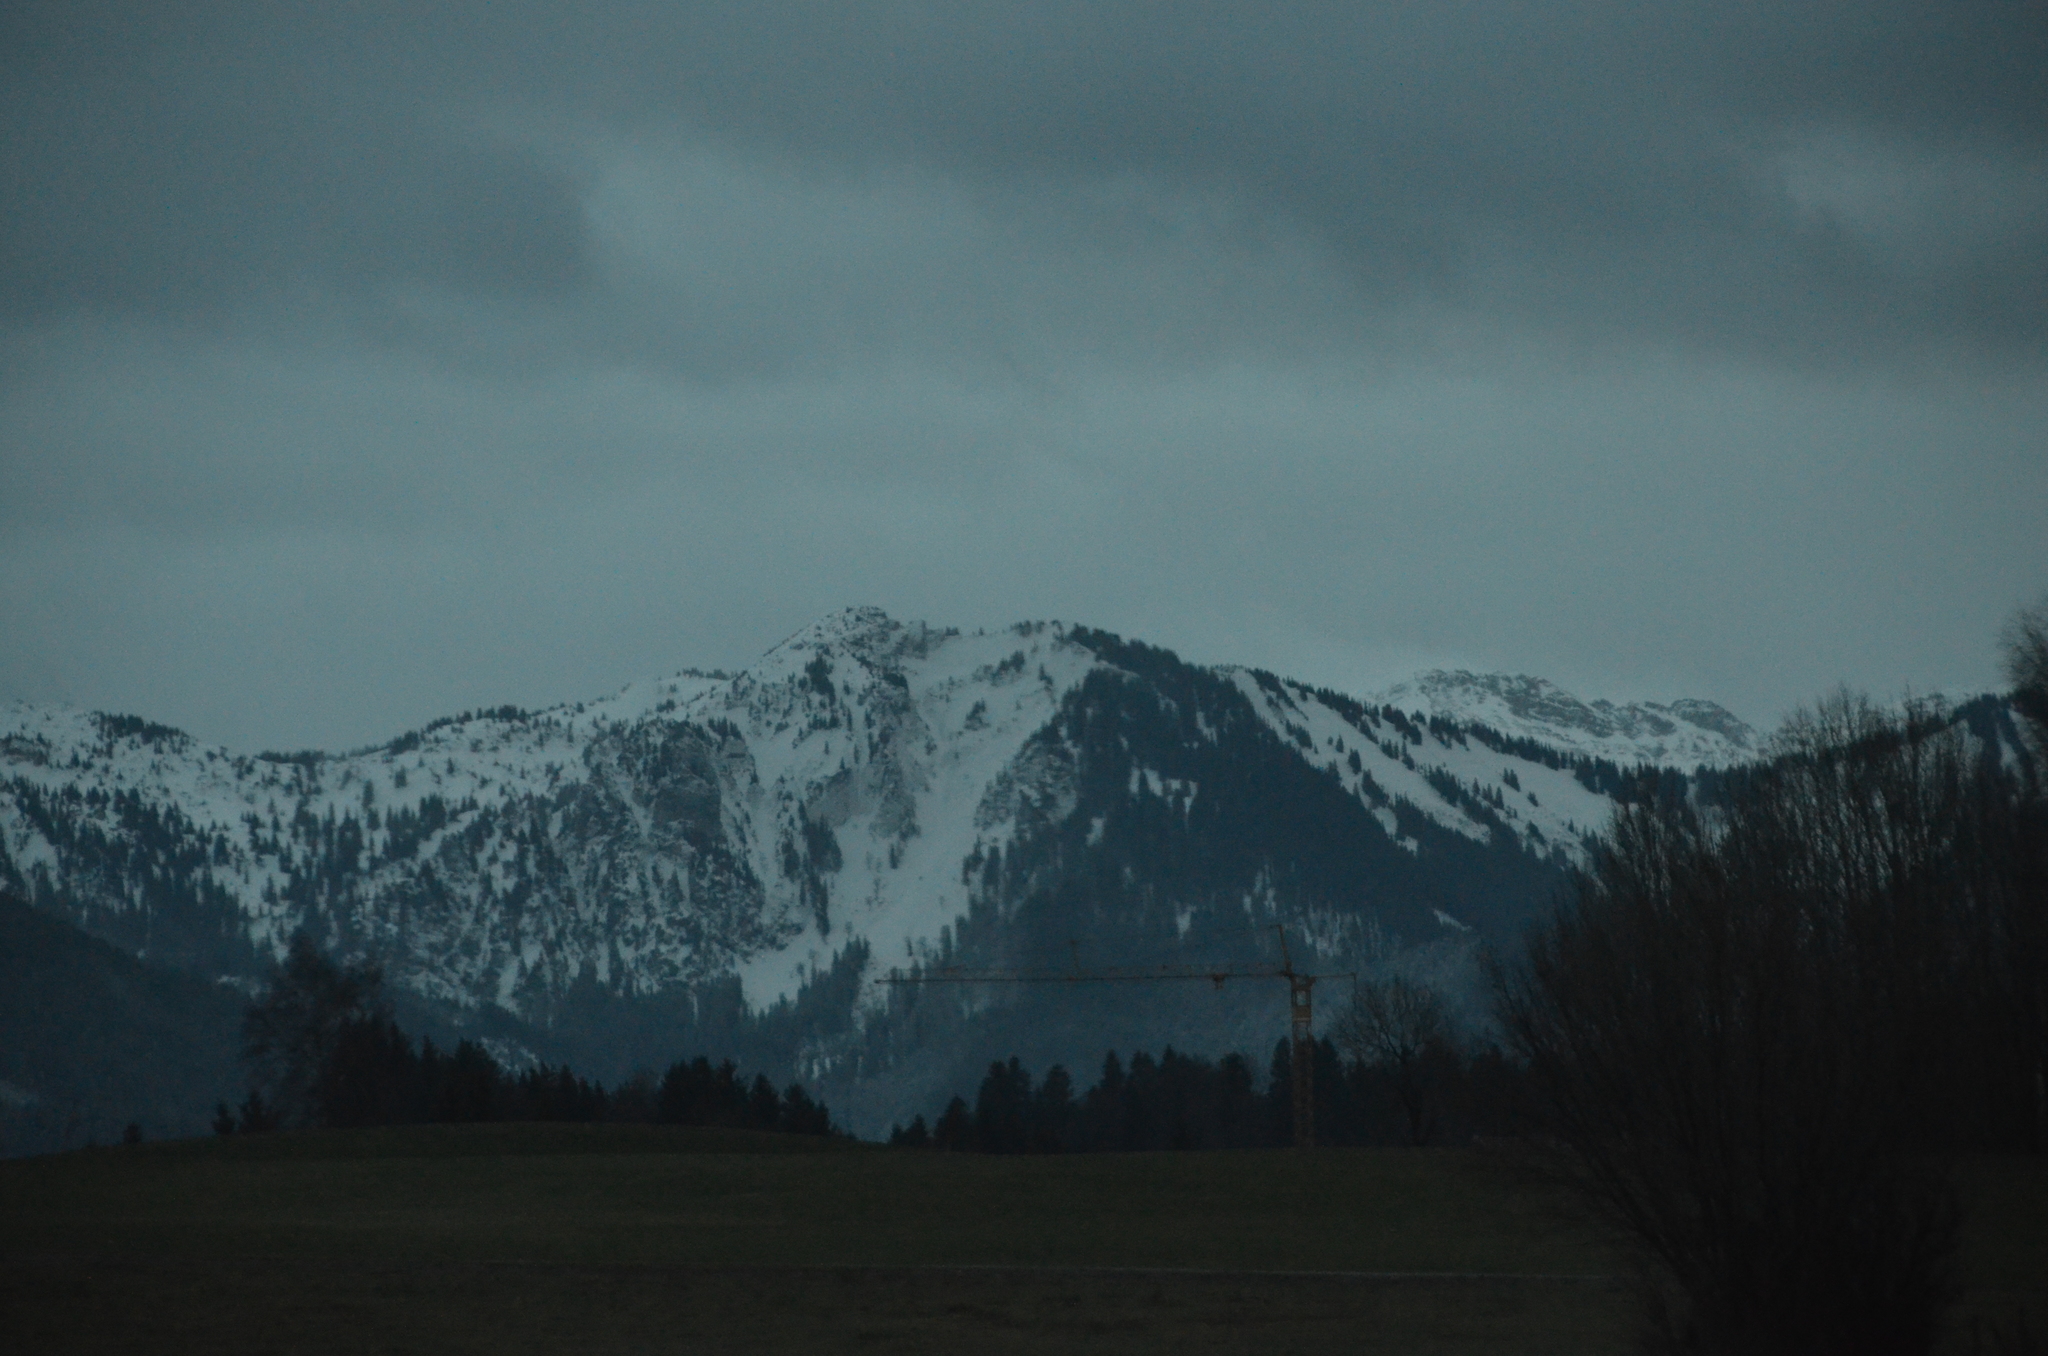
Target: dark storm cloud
<point>1616,163</point>
<point>1774,178</point>
<point>364,362</point>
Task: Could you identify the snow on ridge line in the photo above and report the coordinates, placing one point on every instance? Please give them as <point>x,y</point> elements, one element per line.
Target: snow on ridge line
<point>1688,733</point>
<point>1453,783</point>
<point>896,737</point>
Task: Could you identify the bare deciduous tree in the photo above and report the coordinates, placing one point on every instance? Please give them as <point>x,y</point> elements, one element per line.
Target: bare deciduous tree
<point>1402,1027</point>
<point>1757,1018</point>
<point>2026,668</point>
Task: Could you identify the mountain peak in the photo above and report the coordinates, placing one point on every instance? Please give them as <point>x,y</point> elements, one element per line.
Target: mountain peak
<point>860,629</point>
<point>866,633</point>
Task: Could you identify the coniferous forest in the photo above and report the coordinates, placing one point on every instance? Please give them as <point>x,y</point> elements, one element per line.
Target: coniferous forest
<point>324,1050</point>
<point>1180,1101</point>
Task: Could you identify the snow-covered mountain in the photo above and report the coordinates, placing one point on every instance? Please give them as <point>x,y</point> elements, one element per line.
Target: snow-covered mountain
<point>870,794</point>
<point>1687,734</point>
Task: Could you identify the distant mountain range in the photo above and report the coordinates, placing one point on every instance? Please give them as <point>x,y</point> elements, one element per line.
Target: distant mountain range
<point>734,861</point>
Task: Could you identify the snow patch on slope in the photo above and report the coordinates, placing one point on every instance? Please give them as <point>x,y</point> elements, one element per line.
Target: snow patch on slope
<point>898,761</point>
<point>1443,773</point>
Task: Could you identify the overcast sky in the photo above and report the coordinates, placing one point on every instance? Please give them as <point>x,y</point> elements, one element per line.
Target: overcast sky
<point>362,363</point>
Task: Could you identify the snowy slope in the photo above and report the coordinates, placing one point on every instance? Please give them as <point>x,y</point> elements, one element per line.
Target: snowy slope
<point>675,812</point>
<point>1446,773</point>
<point>897,752</point>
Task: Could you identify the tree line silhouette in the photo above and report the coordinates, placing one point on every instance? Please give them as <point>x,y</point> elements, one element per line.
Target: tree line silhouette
<point>1442,1093</point>
<point>324,1051</point>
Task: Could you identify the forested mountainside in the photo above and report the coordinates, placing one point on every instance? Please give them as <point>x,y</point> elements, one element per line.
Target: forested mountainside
<point>93,1040</point>
<point>731,862</point>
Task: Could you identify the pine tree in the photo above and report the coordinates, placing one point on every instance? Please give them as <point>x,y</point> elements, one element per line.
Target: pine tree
<point>955,1130</point>
<point>917,1136</point>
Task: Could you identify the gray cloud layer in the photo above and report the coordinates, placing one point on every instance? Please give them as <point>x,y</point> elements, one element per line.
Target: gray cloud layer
<point>1802,179</point>
<point>356,362</point>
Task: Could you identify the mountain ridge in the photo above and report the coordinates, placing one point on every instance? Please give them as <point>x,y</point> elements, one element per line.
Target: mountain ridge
<point>847,668</point>
<point>1689,732</point>
<point>750,852</point>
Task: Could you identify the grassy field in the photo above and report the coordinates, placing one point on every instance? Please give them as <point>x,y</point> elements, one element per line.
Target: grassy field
<point>510,1239</point>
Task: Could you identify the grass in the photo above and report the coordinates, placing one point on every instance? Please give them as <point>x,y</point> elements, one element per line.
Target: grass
<point>527,1238</point>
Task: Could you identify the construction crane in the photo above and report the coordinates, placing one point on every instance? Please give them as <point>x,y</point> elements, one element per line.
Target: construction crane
<point>1300,1004</point>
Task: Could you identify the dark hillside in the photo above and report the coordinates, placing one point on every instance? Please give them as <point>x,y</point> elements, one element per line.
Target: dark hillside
<point>92,1039</point>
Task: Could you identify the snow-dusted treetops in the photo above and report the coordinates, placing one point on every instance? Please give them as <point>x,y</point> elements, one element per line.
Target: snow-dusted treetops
<point>871,795</point>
